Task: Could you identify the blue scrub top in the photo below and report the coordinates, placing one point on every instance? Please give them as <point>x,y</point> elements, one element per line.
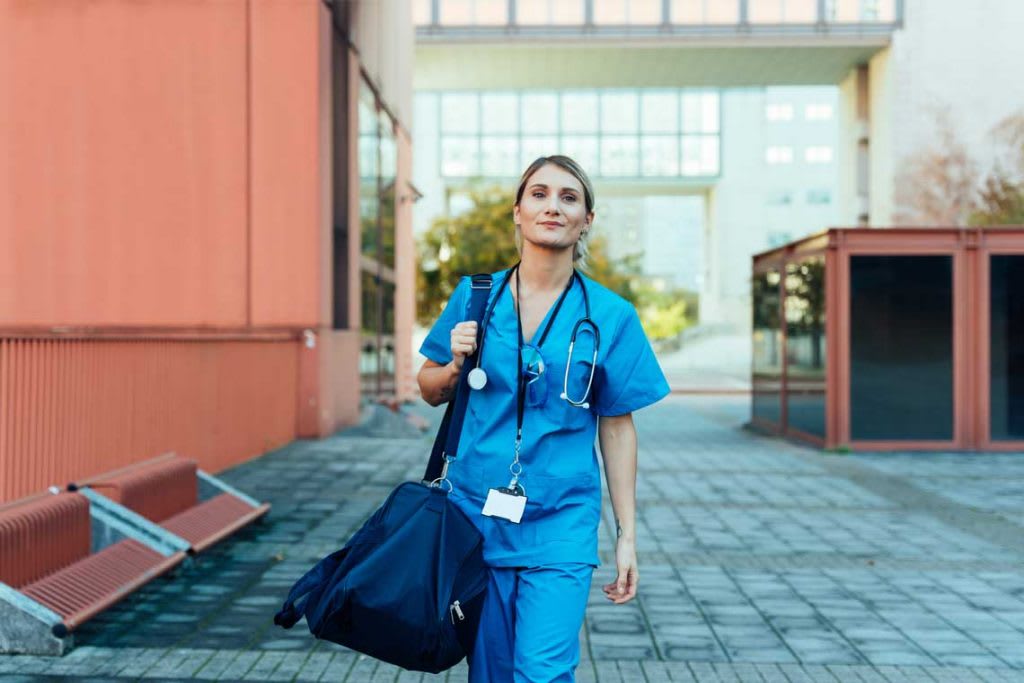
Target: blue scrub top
<point>558,453</point>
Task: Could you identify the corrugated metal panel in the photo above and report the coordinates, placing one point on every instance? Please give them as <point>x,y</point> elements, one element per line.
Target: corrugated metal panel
<point>42,535</point>
<point>74,408</point>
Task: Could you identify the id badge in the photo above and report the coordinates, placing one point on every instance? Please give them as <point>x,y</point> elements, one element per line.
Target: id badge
<point>505,503</point>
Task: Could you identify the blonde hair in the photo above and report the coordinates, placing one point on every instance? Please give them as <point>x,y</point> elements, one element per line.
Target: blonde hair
<point>580,250</point>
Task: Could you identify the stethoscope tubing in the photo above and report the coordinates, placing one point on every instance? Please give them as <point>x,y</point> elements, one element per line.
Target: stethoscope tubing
<point>586,320</point>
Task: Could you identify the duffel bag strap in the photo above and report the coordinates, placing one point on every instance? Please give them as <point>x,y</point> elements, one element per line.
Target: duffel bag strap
<point>446,443</point>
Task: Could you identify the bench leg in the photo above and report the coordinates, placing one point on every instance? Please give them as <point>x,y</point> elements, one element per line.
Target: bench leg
<point>26,627</point>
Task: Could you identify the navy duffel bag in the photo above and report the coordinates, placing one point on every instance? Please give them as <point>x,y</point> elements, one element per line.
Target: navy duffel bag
<point>409,586</point>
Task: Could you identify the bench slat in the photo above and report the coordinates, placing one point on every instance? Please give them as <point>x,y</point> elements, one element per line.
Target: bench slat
<point>98,581</point>
<point>212,520</point>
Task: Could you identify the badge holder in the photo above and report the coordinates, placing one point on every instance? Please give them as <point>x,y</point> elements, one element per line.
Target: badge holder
<point>508,502</point>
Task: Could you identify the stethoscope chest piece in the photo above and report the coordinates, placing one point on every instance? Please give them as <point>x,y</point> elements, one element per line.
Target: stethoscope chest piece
<point>477,378</point>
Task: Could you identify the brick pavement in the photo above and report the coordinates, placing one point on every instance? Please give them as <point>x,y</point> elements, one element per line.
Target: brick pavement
<point>761,561</point>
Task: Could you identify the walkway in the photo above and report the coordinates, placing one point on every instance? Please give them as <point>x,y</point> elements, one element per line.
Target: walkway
<point>760,561</point>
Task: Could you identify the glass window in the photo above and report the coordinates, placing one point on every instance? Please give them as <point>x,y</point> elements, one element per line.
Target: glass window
<point>553,12</point>
<point>718,12</point>
<point>645,12</point>
<point>778,155</point>
<point>700,112</point>
<point>800,11</point>
<point>619,155</point>
<point>689,12</point>
<point>498,113</point>
<point>539,113</point>
<point>579,112</point>
<point>490,12</point>
<point>818,112</point>
<point>765,11</point>
<point>535,146</point>
<point>619,112</point>
<point>456,12</point>
<point>659,112</point>
<point>779,198</point>
<point>819,197</point>
<point>766,379</point>
<point>901,347</point>
<point>818,155</point>
<point>775,111</point>
<point>460,113</point>
<point>692,155</point>
<point>659,155</point>
<point>805,345</point>
<point>709,155</point>
<point>460,155</point>
<point>627,12</point>
<point>369,173</point>
<point>611,11</point>
<point>500,155</point>
<point>619,132</point>
<point>421,12</point>
<point>582,148</point>
<point>1007,347</point>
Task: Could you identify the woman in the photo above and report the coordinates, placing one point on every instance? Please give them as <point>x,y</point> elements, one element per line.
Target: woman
<point>537,499</point>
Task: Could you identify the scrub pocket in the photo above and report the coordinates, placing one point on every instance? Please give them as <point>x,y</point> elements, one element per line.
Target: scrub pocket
<point>559,411</point>
<point>563,508</point>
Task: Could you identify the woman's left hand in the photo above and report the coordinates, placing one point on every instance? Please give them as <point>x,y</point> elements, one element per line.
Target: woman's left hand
<point>623,589</point>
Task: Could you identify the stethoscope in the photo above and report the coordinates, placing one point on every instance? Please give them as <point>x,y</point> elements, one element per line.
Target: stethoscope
<point>477,377</point>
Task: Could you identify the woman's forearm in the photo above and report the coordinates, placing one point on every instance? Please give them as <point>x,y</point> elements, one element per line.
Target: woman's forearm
<point>617,437</point>
<point>437,382</point>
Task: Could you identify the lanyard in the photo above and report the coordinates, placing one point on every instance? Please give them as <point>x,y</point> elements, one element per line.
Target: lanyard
<point>516,468</point>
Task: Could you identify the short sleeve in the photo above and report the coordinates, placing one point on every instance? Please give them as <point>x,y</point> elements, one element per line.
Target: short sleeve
<point>629,378</point>
<point>438,344</point>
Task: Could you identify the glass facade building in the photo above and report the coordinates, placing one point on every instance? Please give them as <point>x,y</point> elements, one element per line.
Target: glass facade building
<point>619,133</point>
<point>378,158</point>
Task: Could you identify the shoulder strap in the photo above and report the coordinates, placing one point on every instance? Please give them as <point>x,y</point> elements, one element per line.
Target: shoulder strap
<point>447,440</point>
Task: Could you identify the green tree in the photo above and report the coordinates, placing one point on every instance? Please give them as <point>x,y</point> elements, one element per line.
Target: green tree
<point>1000,200</point>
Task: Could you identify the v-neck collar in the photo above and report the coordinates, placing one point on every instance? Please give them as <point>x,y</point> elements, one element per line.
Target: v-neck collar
<point>542,325</point>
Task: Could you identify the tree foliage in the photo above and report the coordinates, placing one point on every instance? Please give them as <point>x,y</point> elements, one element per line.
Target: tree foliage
<point>942,184</point>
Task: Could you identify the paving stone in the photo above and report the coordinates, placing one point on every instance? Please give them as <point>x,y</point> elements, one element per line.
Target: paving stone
<point>761,560</point>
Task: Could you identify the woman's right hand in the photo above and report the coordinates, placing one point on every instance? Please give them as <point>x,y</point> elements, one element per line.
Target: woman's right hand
<point>463,342</point>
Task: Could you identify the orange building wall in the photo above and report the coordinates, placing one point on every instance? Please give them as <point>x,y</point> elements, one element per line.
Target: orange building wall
<point>124,153</point>
<point>287,235</point>
<point>165,177</point>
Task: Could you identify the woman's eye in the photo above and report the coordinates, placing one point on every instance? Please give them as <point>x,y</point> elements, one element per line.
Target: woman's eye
<point>538,194</point>
<point>570,197</point>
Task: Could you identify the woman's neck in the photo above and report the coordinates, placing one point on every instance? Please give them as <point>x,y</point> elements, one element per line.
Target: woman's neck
<point>543,269</point>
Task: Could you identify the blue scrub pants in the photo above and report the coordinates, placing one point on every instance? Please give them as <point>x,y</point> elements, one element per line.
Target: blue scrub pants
<point>530,624</point>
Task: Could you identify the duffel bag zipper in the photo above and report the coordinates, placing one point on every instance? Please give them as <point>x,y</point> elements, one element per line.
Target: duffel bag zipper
<point>456,609</point>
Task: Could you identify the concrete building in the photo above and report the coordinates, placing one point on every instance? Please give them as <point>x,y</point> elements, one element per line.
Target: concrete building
<point>205,239</point>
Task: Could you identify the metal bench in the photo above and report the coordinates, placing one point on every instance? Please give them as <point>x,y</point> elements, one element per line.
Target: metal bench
<point>175,494</point>
<point>60,565</point>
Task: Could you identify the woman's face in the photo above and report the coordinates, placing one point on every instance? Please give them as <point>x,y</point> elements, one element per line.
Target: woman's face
<point>552,211</point>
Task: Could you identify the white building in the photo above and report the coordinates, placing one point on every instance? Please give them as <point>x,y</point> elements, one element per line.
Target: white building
<point>818,106</point>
